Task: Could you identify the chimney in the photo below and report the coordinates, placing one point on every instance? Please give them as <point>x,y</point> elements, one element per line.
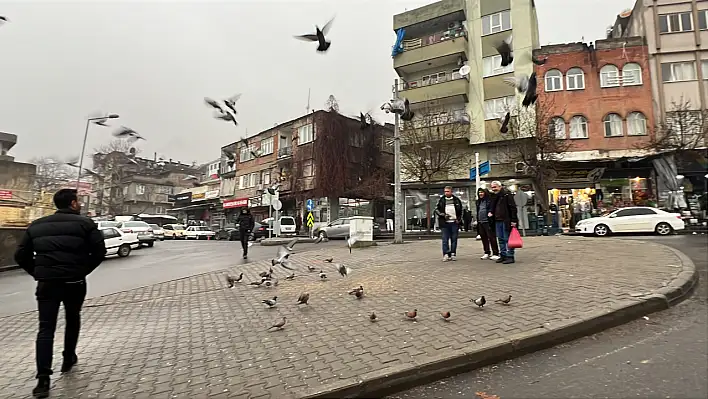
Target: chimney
<point>170,160</point>
<point>154,158</point>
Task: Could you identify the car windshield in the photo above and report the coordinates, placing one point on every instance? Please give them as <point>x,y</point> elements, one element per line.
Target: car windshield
<point>135,224</point>
<point>178,227</point>
<point>287,221</point>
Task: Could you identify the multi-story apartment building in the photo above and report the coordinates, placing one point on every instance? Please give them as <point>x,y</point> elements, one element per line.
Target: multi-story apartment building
<point>676,32</point>
<point>437,40</point>
<point>287,155</point>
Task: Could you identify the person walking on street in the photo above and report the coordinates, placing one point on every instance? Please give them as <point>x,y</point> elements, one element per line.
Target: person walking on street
<point>389,220</point>
<point>486,226</point>
<point>467,218</point>
<point>298,223</point>
<point>246,223</point>
<point>59,251</point>
<point>449,215</point>
<point>504,214</point>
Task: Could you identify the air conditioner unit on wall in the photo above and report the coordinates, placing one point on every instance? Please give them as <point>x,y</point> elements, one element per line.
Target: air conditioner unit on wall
<point>519,167</point>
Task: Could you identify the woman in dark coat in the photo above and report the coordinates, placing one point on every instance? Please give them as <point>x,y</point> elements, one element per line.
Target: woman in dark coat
<point>485,225</point>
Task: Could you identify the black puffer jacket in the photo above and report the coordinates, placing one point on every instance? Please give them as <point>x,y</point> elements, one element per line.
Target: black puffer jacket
<point>245,221</point>
<point>64,246</point>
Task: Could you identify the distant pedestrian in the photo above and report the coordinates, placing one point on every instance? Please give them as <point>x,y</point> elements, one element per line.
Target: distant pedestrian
<point>504,214</point>
<point>298,223</point>
<point>467,218</point>
<point>486,226</point>
<point>449,217</point>
<point>246,223</point>
<point>59,251</point>
<point>389,220</point>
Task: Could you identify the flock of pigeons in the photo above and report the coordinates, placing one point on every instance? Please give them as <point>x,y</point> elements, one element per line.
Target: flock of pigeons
<point>268,280</point>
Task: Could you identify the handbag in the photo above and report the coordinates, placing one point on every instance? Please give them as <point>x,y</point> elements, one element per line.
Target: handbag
<point>515,240</point>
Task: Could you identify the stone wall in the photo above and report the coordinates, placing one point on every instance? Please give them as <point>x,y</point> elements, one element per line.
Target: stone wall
<point>9,238</point>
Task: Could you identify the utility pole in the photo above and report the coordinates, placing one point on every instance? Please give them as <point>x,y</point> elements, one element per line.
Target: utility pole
<point>398,195</point>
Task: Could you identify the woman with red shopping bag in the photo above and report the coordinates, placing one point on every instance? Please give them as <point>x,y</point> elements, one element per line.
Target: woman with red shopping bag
<point>503,212</point>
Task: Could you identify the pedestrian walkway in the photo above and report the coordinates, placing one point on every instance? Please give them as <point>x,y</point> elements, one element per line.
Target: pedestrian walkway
<point>195,338</point>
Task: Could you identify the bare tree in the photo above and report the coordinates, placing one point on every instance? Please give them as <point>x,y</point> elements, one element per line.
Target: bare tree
<point>119,145</point>
<point>112,164</point>
<point>51,174</point>
<point>684,129</point>
<point>434,145</point>
<point>534,141</point>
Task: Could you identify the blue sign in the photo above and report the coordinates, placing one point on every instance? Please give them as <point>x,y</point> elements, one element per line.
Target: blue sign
<point>310,205</point>
<point>484,169</point>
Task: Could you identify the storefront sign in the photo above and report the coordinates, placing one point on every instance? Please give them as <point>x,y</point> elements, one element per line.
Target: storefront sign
<point>198,196</point>
<point>211,194</point>
<point>235,203</point>
<point>171,198</point>
<point>580,176</point>
<point>5,195</point>
<point>254,202</point>
<point>183,199</point>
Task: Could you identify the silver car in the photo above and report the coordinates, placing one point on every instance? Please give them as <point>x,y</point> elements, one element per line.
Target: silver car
<point>334,229</point>
<point>144,231</point>
<point>158,232</point>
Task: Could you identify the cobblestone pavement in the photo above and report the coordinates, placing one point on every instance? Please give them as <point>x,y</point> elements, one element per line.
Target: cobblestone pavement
<point>194,338</point>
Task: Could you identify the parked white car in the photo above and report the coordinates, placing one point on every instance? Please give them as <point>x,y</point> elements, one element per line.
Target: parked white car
<point>636,219</point>
<point>199,233</point>
<point>157,232</point>
<point>143,230</point>
<point>119,243</point>
<point>287,224</point>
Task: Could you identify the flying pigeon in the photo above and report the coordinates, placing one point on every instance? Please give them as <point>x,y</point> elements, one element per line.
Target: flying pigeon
<point>3,20</point>
<point>127,133</point>
<point>505,50</point>
<point>539,61</point>
<point>372,317</point>
<point>318,36</point>
<point>505,123</point>
<point>407,114</point>
<point>504,301</point>
<point>521,83</point>
<point>284,252</point>
<point>271,302</point>
<point>279,325</point>
<point>225,117</point>
<point>343,270</point>
<point>303,298</point>
<point>531,95</point>
<point>231,103</point>
<point>272,189</point>
<point>323,275</point>
<point>214,104</point>
<point>412,315</point>
<point>479,301</point>
<point>445,316</point>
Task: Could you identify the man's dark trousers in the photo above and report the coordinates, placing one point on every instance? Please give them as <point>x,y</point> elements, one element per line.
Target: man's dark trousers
<point>49,295</point>
<point>244,236</point>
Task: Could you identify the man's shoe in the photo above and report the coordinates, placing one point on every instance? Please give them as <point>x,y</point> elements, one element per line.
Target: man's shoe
<point>494,257</point>
<point>68,363</point>
<point>453,257</point>
<point>501,259</point>
<point>485,256</point>
<point>42,388</point>
<point>508,261</point>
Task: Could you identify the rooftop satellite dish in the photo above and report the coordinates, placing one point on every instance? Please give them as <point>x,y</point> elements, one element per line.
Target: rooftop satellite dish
<point>465,70</point>
<point>626,13</point>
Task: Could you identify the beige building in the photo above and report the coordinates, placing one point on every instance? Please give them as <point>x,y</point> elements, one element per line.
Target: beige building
<point>676,32</point>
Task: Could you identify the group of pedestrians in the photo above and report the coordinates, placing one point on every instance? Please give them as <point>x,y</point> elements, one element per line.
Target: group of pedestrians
<point>496,216</point>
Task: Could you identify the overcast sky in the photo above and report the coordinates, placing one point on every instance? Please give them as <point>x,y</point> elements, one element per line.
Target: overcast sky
<point>153,62</point>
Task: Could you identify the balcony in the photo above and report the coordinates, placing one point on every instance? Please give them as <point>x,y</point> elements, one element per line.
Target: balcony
<point>285,152</point>
<point>447,85</point>
<point>447,125</point>
<point>432,51</point>
<point>431,15</point>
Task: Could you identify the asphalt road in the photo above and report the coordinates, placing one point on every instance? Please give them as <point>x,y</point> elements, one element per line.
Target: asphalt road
<point>665,356</point>
<point>167,260</point>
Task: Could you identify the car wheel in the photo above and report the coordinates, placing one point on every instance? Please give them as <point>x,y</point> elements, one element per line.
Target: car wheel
<point>663,229</point>
<point>151,244</point>
<point>322,234</point>
<point>124,250</point>
<point>601,230</point>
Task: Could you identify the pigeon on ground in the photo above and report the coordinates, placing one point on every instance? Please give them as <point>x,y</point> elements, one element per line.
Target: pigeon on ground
<point>351,241</point>
<point>270,283</point>
<point>343,270</point>
<point>232,281</point>
<point>505,50</point>
<point>372,317</point>
<point>358,292</point>
<point>270,302</point>
<point>412,315</point>
<point>303,298</point>
<point>353,291</point>
<point>284,252</point>
<point>504,128</point>
<point>319,37</point>
<point>257,282</point>
<point>311,268</point>
<point>291,277</point>
<point>479,301</point>
<point>504,301</point>
<point>318,240</point>
<point>445,316</point>
<point>266,274</point>
<point>279,325</point>
<point>323,275</point>
<point>530,96</point>
<point>329,260</point>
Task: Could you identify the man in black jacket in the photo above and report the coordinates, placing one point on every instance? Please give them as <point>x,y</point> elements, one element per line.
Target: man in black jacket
<point>449,213</point>
<point>246,223</point>
<point>59,251</point>
<point>503,211</point>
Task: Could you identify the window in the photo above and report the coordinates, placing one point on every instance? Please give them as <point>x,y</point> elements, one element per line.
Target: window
<point>557,128</point>
<point>636,124</point>
<point>703,19</point>
<point>305,134</point>
<point>575,79</point>
<point>613,125</point>
<point>495,23</point>
<point>267,146</point>
<point>578,127</point>
<point>246,154</point>
<point>307,168</point>
<point>265,177</point>
<point>110,233</point>
<point>679,22</point>
<point>609,76</point>
<point>492,66</point>
<point>678,71</point>
<point>253,179</point>
<point>631,74</point>
<point>704,69</point>
<point>139,189</point>
<point>497,107</point>
<point>554,80</point>
<point>243,182</point>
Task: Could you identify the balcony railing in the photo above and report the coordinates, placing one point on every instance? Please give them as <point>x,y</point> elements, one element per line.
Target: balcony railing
<point>440,118</point>
<point>429,80</point>
<point>434,38</point>
<point>285,152</point>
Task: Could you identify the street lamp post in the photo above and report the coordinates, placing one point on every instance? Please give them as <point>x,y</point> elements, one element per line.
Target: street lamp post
<point>83,146</point>
<point>397,194</point>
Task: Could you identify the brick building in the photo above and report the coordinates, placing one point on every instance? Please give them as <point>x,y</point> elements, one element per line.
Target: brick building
<point>599,98</point>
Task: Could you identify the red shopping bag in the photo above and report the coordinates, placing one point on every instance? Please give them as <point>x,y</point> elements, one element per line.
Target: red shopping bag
<point>515,240</point>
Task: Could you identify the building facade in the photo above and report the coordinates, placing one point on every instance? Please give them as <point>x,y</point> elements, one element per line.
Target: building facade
<point>17,194</point>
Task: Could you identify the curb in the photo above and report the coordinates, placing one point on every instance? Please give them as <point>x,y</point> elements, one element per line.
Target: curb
<point>396,379</point>
<point>270,242</point>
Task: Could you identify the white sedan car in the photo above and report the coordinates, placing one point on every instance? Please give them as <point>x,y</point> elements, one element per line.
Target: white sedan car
<point>636,219</point>
<point>199,233</point>
<point>119,243</point>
